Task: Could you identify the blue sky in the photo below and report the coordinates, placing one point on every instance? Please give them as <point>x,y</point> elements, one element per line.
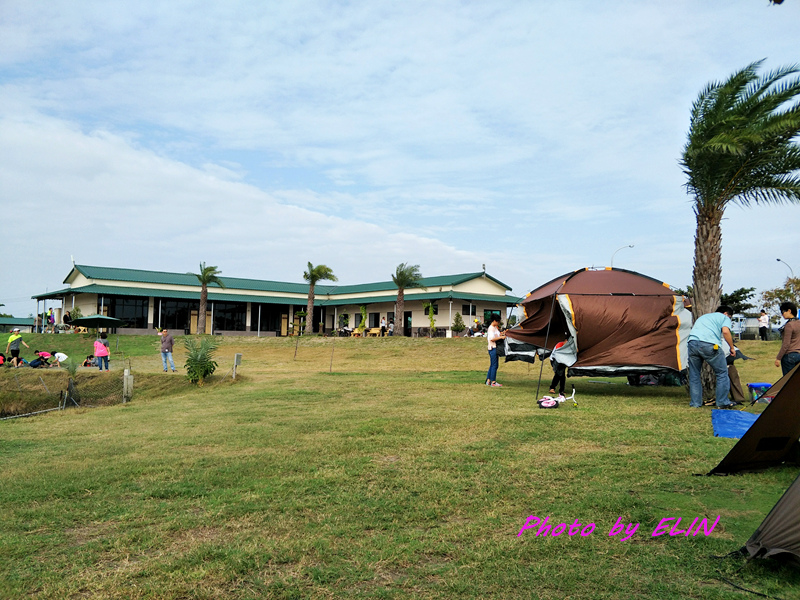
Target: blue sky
<point>533,137</point>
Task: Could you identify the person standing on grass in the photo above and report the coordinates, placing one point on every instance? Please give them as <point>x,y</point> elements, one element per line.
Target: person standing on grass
<point>14,340</point>
<point>789,354</point>
<point>493,335</point>
<point>559,371</point>
<point>705,344</point>
<point>101,351</point>
<point>763,325</point>
<point>166,349</point>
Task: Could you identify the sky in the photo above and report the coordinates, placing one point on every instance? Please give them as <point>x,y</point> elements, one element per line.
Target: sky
<point>532,137</point>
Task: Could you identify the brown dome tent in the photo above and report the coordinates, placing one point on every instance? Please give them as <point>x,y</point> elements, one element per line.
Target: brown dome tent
<point>614,322</point>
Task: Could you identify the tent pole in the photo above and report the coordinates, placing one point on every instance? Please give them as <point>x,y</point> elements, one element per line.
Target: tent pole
<point>546,338</point>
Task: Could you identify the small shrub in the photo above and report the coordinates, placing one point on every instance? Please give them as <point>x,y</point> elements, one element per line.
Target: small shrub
<point>71,366</point>
<point>458,323</point>
<point>200,361</point>
<point>431,317</point>
<point>363,325</point>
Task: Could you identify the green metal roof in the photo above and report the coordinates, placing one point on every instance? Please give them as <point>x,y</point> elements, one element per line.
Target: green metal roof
<point>189,279</point>
<point>58,294</point>
<point>164,278</point>
<point>27,322</point>
<point>427,282</point>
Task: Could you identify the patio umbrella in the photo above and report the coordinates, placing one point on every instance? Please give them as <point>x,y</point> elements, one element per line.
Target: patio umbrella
<point>99,321</point>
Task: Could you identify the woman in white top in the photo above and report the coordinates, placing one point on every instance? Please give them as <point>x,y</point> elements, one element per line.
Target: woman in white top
<point>493,334</point>
<point>763,326</point>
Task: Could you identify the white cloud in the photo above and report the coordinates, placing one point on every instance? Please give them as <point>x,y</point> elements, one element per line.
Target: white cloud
<point>534,137</point>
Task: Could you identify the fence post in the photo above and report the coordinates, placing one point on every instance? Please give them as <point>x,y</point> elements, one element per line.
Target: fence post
<point>127,386</point>
<point>237,360</point>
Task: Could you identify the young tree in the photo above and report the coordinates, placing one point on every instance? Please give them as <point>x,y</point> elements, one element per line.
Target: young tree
<point>206,276</point>
<point>428,306</point>
<point>740,149</point>
<point>458,323</point>
<point>362,326</point>
<point>405,276</point>
<point>790,292</point>
<point>738,300</point>
<point>312,276</point>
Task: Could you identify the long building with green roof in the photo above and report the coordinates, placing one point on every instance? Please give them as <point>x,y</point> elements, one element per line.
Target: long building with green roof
<point>148,299</point>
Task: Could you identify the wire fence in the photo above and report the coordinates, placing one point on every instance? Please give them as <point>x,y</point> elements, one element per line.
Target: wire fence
<point>25,396</point>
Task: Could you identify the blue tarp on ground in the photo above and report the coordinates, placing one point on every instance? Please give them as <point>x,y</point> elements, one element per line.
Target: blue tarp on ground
<point>731,423</point>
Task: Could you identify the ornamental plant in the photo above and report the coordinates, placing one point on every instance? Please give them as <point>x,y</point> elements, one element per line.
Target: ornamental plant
<point>200,361</point>
<point>363,325</point>
<point>431,317</point>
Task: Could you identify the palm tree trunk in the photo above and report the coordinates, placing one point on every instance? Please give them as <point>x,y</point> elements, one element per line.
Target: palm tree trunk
<point>201,314</point>
<point>707,278</point>
<point>399,317</point>
<point>310,310</point>
<point>707,266</point>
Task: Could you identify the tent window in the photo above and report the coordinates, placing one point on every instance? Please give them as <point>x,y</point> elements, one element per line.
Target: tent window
<point>772,444</point>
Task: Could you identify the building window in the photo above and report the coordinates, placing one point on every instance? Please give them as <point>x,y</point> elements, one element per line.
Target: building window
<point>131,309</point>
<point>435,309</point>
<point>272,316</point>
<point>469,310</point>
<point>229,316</point>
<point>358,319</point>
<point>488,314</point>
<point>389,317</point>
<point>374,320</point>
<point>175,314</point>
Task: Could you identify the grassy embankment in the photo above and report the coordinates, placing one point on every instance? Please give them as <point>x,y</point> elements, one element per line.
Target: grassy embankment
<point>397,475</point>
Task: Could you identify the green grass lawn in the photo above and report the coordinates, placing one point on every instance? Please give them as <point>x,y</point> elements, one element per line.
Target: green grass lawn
<point>375,468</point>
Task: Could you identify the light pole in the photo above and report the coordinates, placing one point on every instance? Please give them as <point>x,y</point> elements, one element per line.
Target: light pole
<point>787,264</point>
<point>617,250</point>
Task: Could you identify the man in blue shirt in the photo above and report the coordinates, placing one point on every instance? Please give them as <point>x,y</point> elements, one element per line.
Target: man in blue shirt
<point>705,344</point>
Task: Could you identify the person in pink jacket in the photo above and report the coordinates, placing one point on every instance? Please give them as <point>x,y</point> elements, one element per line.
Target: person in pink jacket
<point>101,351</point>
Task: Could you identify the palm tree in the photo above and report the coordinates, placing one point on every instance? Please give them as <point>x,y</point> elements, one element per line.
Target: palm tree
<point>206,276</point>
<point>312,276</point>
<point>406,276</point>
<point>740,149</point>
